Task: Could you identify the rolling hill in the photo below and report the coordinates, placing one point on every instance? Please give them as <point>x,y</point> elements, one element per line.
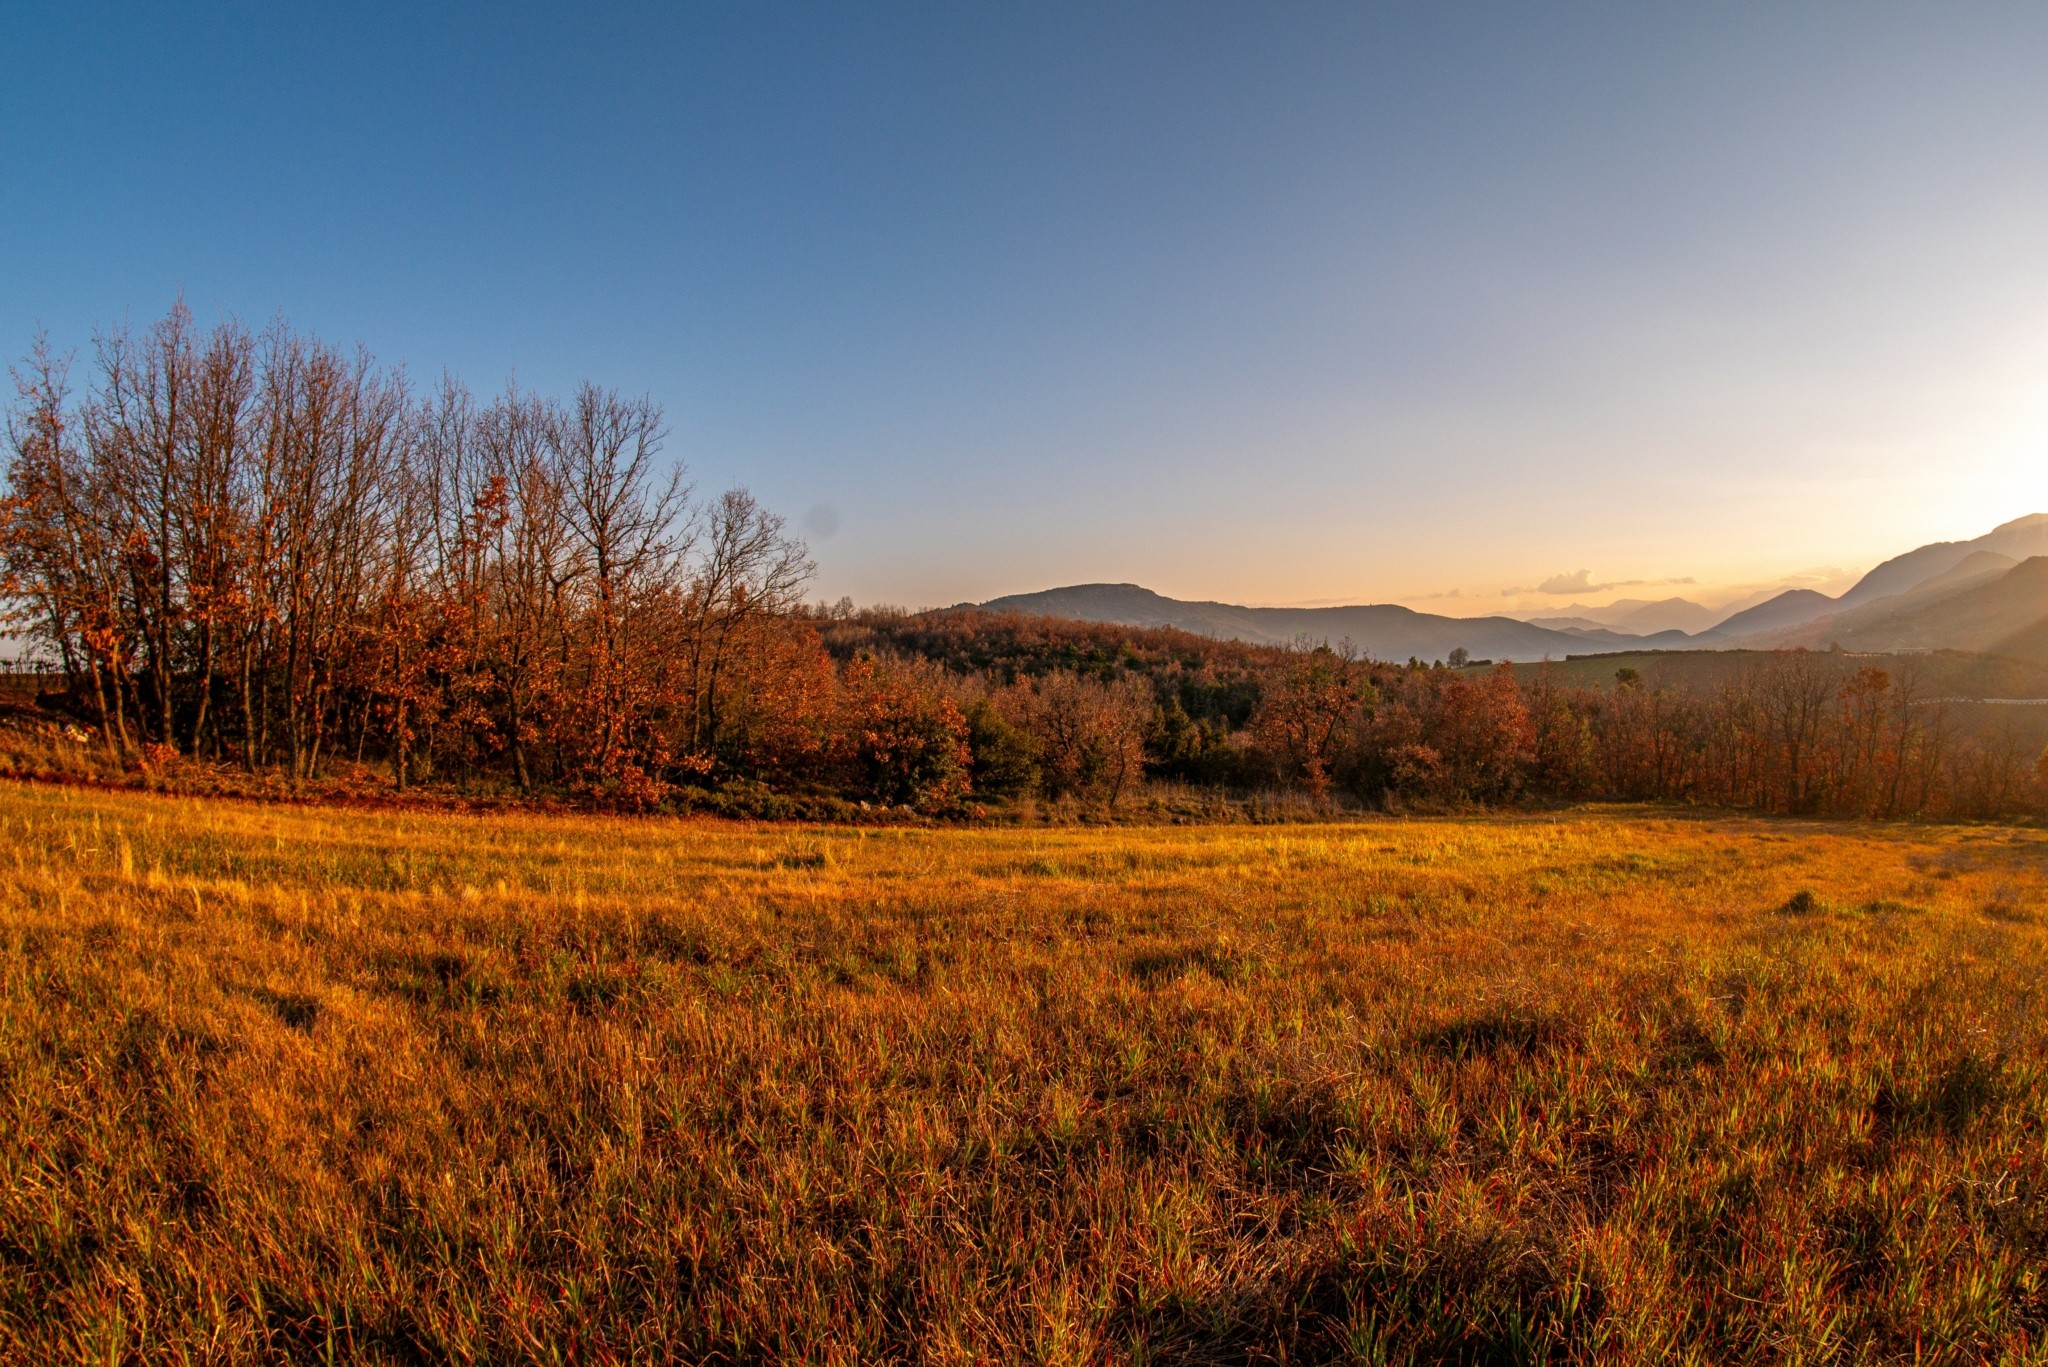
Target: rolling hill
<point>1940,564</point>
<point>1989,594</point>
<point>2020,539</point>
<point>1635,616</point>
<point>1788,609</point>
<point>1383,631</point>
<point>1997,611</point>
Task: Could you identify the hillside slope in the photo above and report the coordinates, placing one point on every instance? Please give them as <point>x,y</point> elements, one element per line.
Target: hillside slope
<point>1996,611</point>
<point>1789,608</point>
<point>1633,616</point>
<point>2020,539</point>
<point>1382,631</point>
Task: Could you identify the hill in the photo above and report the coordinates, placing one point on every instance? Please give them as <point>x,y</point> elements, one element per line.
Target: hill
<point>1974,606</point>
<point>2020,539</point>
<point>1801,617</point>
<point>1939,566</point>
<point>1382,631</point>
<point>1635,616</point>
<point>1977,568</point>
<point>1789,608</point>
<point>1818,621</point>
<point>1910,602</point>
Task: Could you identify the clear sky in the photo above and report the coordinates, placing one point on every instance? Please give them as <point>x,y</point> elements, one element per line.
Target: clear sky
<point>1264,303</point>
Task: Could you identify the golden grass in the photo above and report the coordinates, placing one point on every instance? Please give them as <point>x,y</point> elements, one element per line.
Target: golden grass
<point>308,1084</point>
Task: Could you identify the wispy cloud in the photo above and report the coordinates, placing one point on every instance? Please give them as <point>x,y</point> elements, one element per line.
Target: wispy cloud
<point>1581,581</point>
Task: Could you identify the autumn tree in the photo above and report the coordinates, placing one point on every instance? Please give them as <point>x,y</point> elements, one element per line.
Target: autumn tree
<point>904,737</point>
<point>748,568</point>
<point>625,512</point>
<point>1311,704</point>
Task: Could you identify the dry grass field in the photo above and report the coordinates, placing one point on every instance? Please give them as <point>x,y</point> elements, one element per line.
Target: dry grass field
<point>304,1084</point>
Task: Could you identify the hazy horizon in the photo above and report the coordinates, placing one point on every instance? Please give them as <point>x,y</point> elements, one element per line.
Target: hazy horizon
<point>1324,305</point>
<point>1827,580</point>
<point>1559,599</point>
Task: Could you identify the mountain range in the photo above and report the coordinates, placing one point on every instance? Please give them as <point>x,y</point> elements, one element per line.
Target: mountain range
<point>1989,594</point>
<point>1634,616</point>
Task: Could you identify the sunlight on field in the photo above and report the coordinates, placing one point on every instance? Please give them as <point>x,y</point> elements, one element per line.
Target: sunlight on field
<point>298,1082</point>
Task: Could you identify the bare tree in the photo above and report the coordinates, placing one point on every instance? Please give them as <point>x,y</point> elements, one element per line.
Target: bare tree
<point>59,557</point>
<point>626,515</point>
<point>749,568</point>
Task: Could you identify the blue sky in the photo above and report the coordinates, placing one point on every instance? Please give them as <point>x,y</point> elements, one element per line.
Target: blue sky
<point>1261,303</point>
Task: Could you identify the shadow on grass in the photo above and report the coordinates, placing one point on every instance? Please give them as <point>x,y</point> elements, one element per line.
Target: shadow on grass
<point>1497,1034</point>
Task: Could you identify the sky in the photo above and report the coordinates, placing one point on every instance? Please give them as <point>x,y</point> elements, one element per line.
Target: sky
<point>1475,308</point>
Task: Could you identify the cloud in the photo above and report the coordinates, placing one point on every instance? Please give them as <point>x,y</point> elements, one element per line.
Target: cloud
<point>1581,581</point>
<point>1823,574</point>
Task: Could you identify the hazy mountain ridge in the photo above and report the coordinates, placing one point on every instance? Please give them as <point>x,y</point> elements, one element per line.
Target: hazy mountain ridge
<point>1789,608</point>
<point>1381,630</point>
<point>1999,611</point>
<point>1986,594</point>
<point>2020,539</point>
<point>1635,616</point>
<point>2010,542</point>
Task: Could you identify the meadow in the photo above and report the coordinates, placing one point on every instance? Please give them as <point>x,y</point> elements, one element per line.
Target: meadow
<point>316,1084</point>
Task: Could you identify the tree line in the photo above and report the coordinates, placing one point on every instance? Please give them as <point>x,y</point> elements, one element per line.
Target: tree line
<point>265,550</point>
<point>262,550</point>
<point>1797,732</point>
